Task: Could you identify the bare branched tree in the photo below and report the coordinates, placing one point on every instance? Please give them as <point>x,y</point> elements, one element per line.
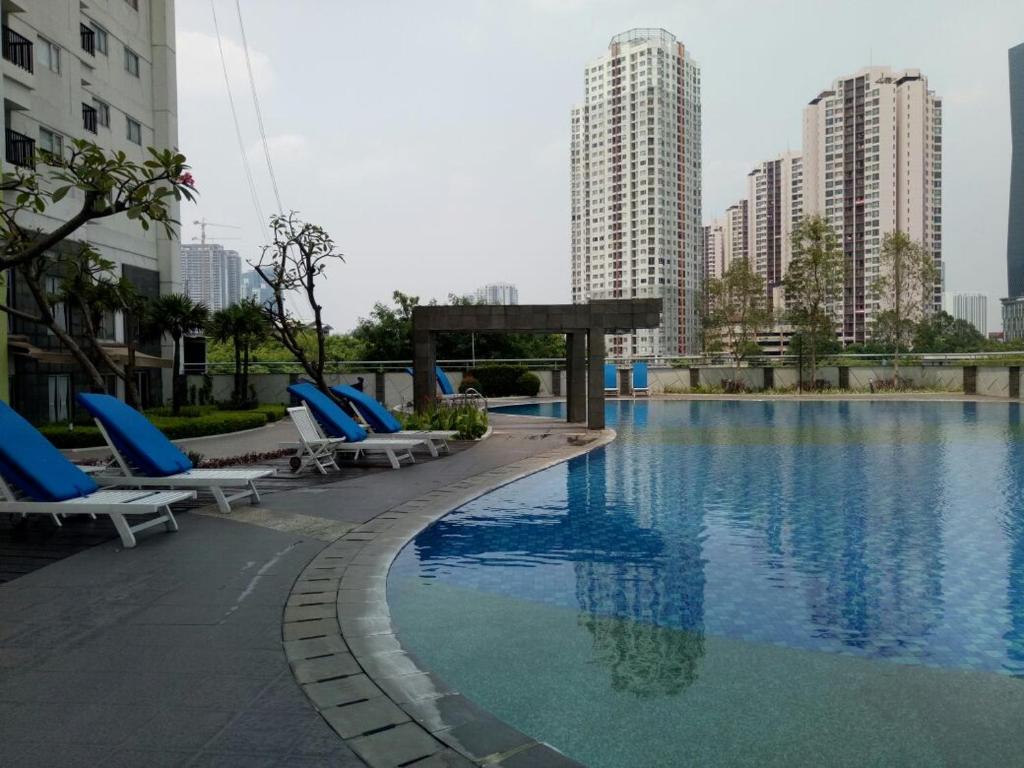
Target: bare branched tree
<point>291,265</point>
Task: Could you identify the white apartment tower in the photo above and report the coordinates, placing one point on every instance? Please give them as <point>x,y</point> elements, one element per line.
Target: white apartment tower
<point>714,250</point>
<point>972,307</point>
<point>212,275</point>
<point>636,187</point>
<point>497,293</point>
<point>872,157</point>
<point>102,71</point>
<point>736,234</point>
<point>775,195</point>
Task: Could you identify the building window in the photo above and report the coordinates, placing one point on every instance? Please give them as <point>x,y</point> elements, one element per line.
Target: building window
<point>131,62</point>
<point>102,113</point>
<point>101,37</point>
<point>134,131</point>
<point>49,55</point>
<point>51,142</point>
<point>133,3</point>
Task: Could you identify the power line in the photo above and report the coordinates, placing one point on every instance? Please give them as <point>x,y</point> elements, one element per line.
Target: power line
<point>259,112</point>
<point>238,129</point>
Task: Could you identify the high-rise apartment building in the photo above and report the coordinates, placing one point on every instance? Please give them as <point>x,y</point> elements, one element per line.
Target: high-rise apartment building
<point>497,293</point>
<point>1013,307</point>
<point>736,233</point>
<point>104,72</point>
<point>254,287</point>
<point>972,307</point>
<point>636,187</point>
<point>212,274</point>
<point>714,250</point>
<point>775,196</point>
<point>872,164</point>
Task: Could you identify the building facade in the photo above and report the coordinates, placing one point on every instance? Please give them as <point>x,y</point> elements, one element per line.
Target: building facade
<point>736,234</point>
<point>497,293</point>
<point>775,196</point>
<point>254,287</point>
<point>972,307</point>
<point>872,164</point>
<point>635,180</point>
<point>104,72</point>
<point>212,275</point>
<point>1015,225</point>
<point>714,250</point>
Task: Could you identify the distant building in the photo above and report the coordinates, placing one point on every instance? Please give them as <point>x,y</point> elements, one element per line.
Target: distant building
<point>736,234</point>
<point>1012,326</point>
<point>872,165</point>
<point>254,287</point>
<point>497,293</point>
<point>635,181</point>
<point>972,307</point>
<point>211,274</point>
<point>714,250</point>
<point>775,199</point>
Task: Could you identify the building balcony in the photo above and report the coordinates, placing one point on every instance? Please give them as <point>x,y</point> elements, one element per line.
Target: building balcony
<point>17,49</point>
<point>20,149</point>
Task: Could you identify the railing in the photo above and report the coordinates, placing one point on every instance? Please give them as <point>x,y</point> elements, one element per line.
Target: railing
<point>88,39</point>
<point>17,49</point>
<point>20,149</point>
<point>89,118</point>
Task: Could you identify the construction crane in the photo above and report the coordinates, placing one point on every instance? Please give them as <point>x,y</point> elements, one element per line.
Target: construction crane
<point>203,224</point>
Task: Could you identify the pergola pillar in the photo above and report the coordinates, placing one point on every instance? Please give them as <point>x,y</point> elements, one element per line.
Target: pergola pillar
<point>424,379</point>
<point>595,379</point>
<point>576,376</point>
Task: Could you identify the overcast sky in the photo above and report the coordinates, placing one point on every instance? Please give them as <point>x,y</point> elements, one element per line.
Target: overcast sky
<point>431,139</point>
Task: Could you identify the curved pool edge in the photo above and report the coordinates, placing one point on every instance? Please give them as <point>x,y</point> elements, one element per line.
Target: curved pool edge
<point>346,655</point>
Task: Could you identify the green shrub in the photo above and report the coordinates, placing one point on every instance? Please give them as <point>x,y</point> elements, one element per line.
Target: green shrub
<point>528,384</point>
<point>469,421</point>
<point>503,381</point>
<point>211,422</point>
<point>273,411</point>
<point>186,412</point>
<point>469,382</point>
<point>79,437</point>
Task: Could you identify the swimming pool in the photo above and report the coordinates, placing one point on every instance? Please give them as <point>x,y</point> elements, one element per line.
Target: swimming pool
<point>744,583</point>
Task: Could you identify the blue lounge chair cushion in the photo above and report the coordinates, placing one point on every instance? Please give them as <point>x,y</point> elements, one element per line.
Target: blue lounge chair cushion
<point>143,446</point>
<point>335,422</point>
<point>32,464</point>
<point>610,377</point>
<point>443,381</point>
<point>375,414</point>
<point>640,376</point>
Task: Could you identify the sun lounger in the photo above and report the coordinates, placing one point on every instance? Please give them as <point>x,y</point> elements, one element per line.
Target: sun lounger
<point>36,479</point>
<point>640,384</point>
<point>144,457</point>
<point>383,423</point>
<point>351,438</point>
<point>611,385</point>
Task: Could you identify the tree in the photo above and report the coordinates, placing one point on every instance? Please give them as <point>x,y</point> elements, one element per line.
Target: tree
<point>904,288</point>
<point>243,325</point>
<point>108,183</point>
<point>297,257</point>
<point>814,284</point>
<point>176,315</point>
<point>736,311</point>
<point>941,332</point>
<point>387,333</point>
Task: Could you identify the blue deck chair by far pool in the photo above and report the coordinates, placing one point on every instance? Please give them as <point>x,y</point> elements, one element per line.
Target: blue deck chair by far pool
<point>145,458</point>
<point>329,431</point>
<point>443,382</point>
<point>641,386</point>
<point>611,386</point>
<point>383,422</point>
<point>36,478</point>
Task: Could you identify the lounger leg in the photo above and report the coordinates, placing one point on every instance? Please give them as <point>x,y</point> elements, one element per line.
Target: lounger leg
<point>222,502</point>
<point>170,524</point>
<point>433,448</point>
<point>254,497</point>
<point>127,537</point>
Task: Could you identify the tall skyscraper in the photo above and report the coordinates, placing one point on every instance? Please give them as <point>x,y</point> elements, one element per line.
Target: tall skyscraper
<point>212,275</point>
<point>775,194</point>
<point>736,233</point>
<point>636,187</point>
<point>714,250</point>
<point>497,293</point>
<point>1013,307</point>
<point>254,287</point>
<point>872,160</point>
<point>972,307</point>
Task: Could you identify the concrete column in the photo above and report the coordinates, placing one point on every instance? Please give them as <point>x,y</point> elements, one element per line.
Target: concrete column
<point>595,383</point>
<point>379,386</point>
<point>576,377</point>
<point>424,385</point>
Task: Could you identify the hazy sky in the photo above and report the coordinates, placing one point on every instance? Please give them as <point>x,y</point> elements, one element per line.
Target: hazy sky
<point>431,139</point>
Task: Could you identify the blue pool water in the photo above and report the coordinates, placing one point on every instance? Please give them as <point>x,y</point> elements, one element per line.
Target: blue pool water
<point>745,583</point>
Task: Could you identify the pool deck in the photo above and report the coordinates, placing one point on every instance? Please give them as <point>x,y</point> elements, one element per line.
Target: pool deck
<point>259,638</point>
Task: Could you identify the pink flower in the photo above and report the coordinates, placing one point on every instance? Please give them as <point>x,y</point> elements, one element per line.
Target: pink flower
<point>186,179</point>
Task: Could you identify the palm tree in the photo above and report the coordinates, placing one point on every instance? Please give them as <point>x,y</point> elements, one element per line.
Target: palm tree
<point>242,324</point>
<point>222,328</point>
<point>175,314</point>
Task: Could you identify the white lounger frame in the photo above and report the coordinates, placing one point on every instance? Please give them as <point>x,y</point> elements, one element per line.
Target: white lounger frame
<point>317,449</point>
<point>116,504</point>
<point>212,480</point>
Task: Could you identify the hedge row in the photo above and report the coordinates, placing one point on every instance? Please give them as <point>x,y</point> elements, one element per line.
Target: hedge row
<point>175,427</point>
<point>501,381</point>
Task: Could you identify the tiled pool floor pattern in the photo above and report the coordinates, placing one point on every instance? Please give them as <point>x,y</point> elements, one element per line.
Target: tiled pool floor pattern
<point>840,579</point>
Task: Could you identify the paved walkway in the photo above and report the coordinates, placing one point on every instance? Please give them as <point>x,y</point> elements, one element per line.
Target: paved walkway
<point>171,654</point>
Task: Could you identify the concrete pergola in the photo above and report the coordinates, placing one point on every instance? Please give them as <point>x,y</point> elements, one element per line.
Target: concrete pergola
<point>584,325</point>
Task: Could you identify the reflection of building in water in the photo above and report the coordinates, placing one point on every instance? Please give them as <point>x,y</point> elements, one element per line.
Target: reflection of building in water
<point>643,609</point>
<point>1014,472</point>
